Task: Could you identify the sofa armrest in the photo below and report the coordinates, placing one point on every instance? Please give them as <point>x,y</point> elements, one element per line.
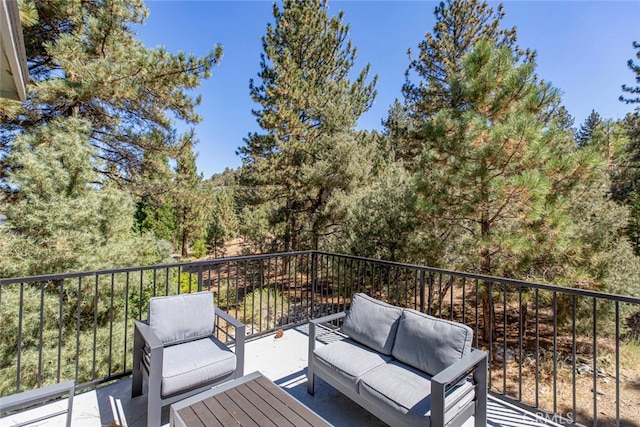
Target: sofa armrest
<point>240,333</point>
<point>328,318</point>
<point>313,323</point>
<point>475,362</point>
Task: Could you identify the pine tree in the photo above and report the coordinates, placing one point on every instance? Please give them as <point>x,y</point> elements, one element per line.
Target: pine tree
<point>190,198</point>
<point>460,24</point>
<point>634,92</point>
<point>495,178</point>
<point>60,218</point>
<point>586,132</point>
<point>84,60</point>
<point>155,209</point>
<point>308,108</point>
<point>223,224</point>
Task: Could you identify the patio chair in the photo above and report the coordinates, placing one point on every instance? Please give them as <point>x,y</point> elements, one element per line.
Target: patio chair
<point>176,349</point>
<point>29,398</point>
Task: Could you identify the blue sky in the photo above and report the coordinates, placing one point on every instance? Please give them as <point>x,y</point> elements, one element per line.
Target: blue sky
<point>582,46</point>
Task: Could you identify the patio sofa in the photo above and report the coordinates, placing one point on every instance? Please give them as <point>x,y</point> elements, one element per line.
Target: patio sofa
<point>403,366</point>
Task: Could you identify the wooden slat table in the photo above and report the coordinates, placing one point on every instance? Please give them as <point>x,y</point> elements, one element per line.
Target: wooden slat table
<point>252,400</point>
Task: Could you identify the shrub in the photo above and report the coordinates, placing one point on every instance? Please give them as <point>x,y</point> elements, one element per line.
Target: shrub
<point>263,308</point>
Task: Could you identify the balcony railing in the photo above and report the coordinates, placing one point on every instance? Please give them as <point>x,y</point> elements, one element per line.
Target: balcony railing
<point>568,352</point>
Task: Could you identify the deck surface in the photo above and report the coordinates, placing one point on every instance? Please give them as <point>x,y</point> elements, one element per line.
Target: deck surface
<point>284,362</point>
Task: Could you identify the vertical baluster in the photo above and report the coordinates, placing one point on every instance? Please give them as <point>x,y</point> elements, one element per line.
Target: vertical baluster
<point>595,363</point>
<point>95,326</point>
<point>555,352</point>
<point>19,343</point>
<point>40,334</point>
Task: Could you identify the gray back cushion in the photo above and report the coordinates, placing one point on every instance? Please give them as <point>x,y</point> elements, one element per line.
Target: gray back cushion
<point>182,317</point>
<point>372,323</point>
<point>430,344</point>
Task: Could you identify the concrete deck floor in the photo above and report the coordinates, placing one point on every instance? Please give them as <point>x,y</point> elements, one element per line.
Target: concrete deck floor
<point>282,360</point>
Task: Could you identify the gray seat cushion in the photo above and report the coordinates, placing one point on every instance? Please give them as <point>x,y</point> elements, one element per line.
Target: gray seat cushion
<point>190,364</point>
<point>346,361</point>
<point>183,317</point>
<point>430,344</point>
<point>400,388</point>
<point>372,323</point>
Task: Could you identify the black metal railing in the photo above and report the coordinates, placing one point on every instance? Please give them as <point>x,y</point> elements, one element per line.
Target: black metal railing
<point>566,351</point>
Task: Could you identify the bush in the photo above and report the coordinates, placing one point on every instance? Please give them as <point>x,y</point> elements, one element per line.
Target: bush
<point>263,308</point>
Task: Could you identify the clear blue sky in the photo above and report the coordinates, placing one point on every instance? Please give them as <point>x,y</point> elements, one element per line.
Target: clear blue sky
<point>582,46</point>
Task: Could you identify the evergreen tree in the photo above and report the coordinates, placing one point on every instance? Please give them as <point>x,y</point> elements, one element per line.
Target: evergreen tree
<point>460,24</point>
<point>495,178</point>
<point>60,217</point>
<point>155,209</point>
<point>380,218</point>
<point>308,108</point>
<point>634,92</point>
<point>84,60</point>
<point>190,199</point>
<point>492,170</point>
<point>586,132</point>
<point>223,224</point>
<point>562,120</point>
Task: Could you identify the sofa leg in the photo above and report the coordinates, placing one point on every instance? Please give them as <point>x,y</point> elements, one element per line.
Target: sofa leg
<point>310,387</point>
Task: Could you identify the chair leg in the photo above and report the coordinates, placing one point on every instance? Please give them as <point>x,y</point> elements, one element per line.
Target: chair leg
<point>70,405</point>
<point>136,373</point>
<point>154,393</point>
<point>154,410</point>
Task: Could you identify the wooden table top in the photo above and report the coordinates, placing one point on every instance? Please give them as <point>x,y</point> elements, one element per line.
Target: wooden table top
<point>252,400</point>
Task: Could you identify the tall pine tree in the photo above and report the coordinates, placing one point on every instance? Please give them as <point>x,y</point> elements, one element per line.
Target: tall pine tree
<point>308,108</point>
<point>191,210</point>
<point>85,60</point>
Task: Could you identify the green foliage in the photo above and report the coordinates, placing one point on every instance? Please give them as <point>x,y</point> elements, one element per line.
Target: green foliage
<point>59,217</point>
<point>227,297</point>
<point>155,208</point>
<point>190,199</point>
<point>52,314</point>
<point>85,61</point>
<point>263,308</point>
<point>254,228</point>
<point>380,221</point>
<point>188,283</point>
<point>633,92</point>
<point>586,132</point>
<point>224,222</point>
<point>460,25</point>
<point>308,108</point>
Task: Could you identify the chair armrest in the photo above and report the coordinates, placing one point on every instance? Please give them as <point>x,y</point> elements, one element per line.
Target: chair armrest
<point>228,318</point>
<point>476,362</point>
<point>239,339</point>
<point>27,398</point>
<point>148,336</point>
